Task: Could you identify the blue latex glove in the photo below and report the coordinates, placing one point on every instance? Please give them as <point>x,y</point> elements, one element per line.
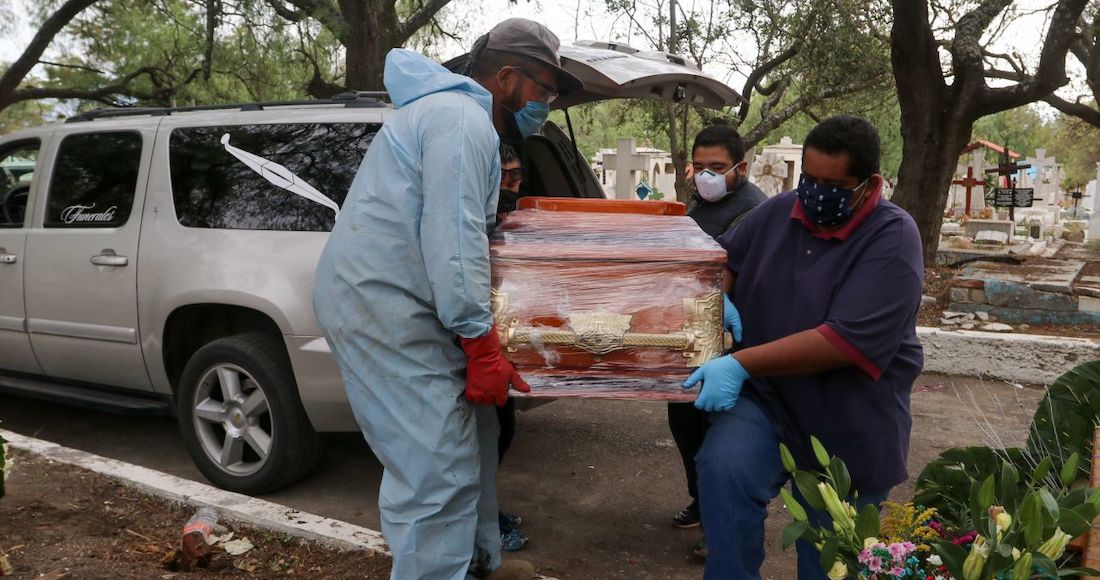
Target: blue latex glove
<point>722,379</point>
<point>731,318</point>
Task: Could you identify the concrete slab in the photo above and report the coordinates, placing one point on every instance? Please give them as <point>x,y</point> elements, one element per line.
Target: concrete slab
<point>1021,358</point>
<point>1052,276</point>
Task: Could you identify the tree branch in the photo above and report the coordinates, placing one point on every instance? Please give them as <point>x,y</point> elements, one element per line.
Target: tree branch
<point>286,13</point>
<point>106,94</point>
<point>802,104</point>
<point>1051,73</point>
<point>46,33</point>
<point>73,66</point>
<point>1079,110</point>
<point>420,19</point>
<point>966,48</point>
<point>757,75</point>
<point>914,52</point>
<point>323,11</point>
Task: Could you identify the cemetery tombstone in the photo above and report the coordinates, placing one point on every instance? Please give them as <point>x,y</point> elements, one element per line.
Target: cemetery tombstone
<point>1046,179</point>
<point>770,173</point>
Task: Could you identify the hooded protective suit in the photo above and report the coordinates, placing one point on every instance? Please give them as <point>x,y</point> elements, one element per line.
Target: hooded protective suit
<point>405,272</point>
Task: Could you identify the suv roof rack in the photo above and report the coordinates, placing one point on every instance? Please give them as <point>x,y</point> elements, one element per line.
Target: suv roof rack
<point>350,100</point>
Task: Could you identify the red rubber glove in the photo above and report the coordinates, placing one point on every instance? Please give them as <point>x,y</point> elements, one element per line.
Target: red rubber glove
<point>488,373</point>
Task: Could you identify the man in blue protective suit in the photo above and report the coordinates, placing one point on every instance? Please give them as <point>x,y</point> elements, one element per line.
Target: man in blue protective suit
<point>402,293</point>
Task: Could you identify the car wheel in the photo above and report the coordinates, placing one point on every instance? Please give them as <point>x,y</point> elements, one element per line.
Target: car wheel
<point>241,418</point>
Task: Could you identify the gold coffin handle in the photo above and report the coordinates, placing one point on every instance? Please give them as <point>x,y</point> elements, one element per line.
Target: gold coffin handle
<point>601,333</point>
<point>674,341</point>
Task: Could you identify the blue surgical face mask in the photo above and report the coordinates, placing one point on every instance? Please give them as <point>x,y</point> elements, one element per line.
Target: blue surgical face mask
<point>826,205</point>
<point>531,117</point>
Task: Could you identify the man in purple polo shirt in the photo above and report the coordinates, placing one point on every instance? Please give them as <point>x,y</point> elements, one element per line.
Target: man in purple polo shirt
<point>827,280</point>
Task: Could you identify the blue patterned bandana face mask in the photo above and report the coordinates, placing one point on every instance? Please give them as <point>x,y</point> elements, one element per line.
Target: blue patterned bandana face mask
<point>826,205</point>
<point>531,117</point>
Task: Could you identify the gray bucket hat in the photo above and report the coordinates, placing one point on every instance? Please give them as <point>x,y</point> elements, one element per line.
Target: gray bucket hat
<point>533,41</point>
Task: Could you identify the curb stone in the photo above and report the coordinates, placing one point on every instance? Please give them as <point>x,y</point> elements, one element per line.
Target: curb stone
<point>1020,358</point>
<point>232,506</point>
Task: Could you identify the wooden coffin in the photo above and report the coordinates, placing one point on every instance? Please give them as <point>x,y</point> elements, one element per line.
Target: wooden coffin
<point>606,305</point>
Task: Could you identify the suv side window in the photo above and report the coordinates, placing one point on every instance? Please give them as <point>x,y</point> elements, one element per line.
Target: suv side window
<point>16,176</point>
<point>265,177</point>
<point>94,180</point>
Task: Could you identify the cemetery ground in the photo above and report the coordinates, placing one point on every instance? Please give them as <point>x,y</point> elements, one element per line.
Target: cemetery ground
<point>595,481</point>
<point>1056,294</point>
<point>61,521</point>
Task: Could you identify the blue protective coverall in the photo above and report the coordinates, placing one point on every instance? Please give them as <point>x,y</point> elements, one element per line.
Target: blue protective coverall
<point>404,274</point>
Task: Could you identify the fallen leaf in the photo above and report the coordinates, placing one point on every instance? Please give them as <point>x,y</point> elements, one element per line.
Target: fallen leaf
<point>213,539</point>
<point>248,564</point>
<point>237,547</point>
<point>5,566</point>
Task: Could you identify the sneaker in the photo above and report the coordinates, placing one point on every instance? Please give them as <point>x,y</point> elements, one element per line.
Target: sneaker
<point>513,541</point>
<point>688,517</point>
<point>700,550</point>
<point>509,522</point>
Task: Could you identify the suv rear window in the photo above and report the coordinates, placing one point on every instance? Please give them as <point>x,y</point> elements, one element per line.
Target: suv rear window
<point>94,180</point>
<point>265,177</point>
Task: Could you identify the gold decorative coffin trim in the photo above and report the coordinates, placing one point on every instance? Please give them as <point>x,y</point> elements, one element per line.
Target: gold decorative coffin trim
<point>601,333</point>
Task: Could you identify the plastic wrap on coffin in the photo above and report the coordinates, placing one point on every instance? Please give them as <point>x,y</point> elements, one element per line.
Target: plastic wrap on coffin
<point>599,305</point>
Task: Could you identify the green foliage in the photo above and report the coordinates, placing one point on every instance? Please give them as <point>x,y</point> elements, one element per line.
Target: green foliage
<point>1063,424</point>
<point>160,46</point>
<point>946,482</point>
<point>1058,448</point>
<point>24,115</point>
<point>601,125</point>
<point>1076,144</point>
<point>1016,518</point>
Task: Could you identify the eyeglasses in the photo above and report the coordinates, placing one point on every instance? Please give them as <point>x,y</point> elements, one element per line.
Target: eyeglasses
<point>511,174</point>
<point>549,94</point>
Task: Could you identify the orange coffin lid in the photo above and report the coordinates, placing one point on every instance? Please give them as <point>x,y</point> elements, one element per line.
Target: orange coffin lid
<point>603,205</point>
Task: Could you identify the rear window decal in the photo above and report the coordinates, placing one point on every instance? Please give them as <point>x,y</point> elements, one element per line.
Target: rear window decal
<point>87,214</point>
<point>280,176</point>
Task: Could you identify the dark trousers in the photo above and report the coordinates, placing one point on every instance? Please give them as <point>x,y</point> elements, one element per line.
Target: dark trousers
<point>507,417</point>
<point>689,428</point>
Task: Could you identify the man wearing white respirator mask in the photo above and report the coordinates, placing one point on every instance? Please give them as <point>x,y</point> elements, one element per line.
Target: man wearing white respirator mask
<point>718,174</point>
<point>723,195</point>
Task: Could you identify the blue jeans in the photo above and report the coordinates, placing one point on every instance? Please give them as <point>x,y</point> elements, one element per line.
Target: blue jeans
<point>740,472</point>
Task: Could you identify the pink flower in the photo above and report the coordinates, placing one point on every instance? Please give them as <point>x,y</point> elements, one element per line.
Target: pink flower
<point>875,565</point>
<point>897,552</point>
<point>896,571</point>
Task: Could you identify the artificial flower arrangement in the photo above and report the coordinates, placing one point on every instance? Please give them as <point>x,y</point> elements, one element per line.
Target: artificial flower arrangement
<point>1015,529</point>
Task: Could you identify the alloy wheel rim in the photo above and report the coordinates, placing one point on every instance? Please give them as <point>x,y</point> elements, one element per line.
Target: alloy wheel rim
<point>232,419</point>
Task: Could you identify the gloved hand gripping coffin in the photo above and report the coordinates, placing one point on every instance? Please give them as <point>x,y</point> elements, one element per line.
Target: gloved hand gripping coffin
<point>606,305</point>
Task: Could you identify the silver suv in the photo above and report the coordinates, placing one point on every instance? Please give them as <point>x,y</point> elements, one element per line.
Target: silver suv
<point>161,260</point>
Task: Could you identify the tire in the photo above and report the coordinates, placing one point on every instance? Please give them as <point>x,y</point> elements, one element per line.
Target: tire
<point>264,413</point>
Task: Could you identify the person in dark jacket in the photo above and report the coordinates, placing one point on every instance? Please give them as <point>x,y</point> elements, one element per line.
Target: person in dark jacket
<point>723,195</point>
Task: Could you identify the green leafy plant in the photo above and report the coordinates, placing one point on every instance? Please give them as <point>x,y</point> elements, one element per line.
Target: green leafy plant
<point>1020,535</point>
<point>1062,427</point>
<point>1012,526</point>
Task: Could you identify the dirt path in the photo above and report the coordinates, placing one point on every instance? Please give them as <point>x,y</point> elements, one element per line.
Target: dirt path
<point>64,522</point>
<point>596,482</point>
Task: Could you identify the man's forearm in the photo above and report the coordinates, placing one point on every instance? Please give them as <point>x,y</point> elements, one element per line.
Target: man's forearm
<point>802,353</point>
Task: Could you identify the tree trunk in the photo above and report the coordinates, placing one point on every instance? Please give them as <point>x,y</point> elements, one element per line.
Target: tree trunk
<point>370,35</point>
<point>930,154</point>
<point>679,158</point>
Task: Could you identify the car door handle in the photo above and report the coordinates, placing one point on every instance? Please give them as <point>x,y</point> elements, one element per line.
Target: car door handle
<point>6,258</point>
<point>109,258</point>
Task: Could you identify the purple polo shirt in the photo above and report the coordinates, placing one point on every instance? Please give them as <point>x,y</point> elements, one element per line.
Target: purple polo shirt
<point>860,287</point>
